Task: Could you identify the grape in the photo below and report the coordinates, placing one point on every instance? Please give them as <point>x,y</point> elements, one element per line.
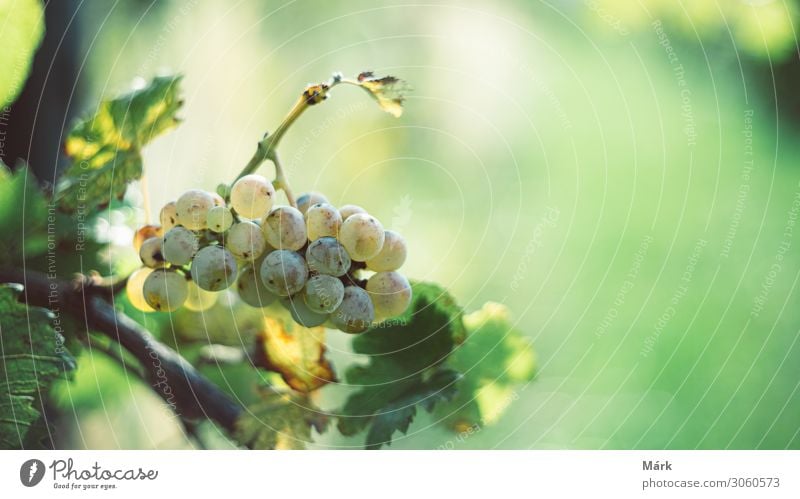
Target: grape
<point>213,268</point>
<point>252,290</point>
<point>356,312</point>
<point>134,289</point>
<point>323,293</point>
<point>322,220</point>
<point>198,299</point>
<point>390,293</point>
<point>301,313</point>
<point>327,256</point>
<point>309,199</point>
<point>252,196</point>
<point>168,216</point>
<point>284,228</point>
<point>180,245</point>
<point>219,219</point>
<point>245,241</point>
<point>392,254</point>
<point>192,209</point>
<point>362,235</point>
<point>145,233</point>
<point>218,200</point>
<point>151,253</point>
<point>350,209</point>
<point>284,272</point>
<point>165,290</point>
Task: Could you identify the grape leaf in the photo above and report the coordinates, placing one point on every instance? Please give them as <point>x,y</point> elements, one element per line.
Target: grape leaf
<point>32,357</point>
<point>388,91</point>
<point>494,358</point>
<point>405,368</point>
<point>22,27</point>
<point>106,148</point>
<point>296,352</point>
<point>23,216</point>
<point>279,421</point>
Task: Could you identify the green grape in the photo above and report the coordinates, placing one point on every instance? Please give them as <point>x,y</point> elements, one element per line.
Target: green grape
<point>252,290</point>
<point>327,256</point>
<point>165,290</point>
<point>350,209</point>
<point>322,220</point>
<point>180,245</point>
<point>252,196</point>
<point>168,216</point>
<point>362,236</point>
<point>309,199</point>
<point>323,293</point>
<point>301,313</point>
<point>245,241</point>
<point>356,312</point>
<point>284,272</point>
<point>198,300</point>
<point>134,289</point>
<point>392,254</point>
<point>214,268</point>
<point>284,228</point>
<point>192,209</point>
<point>390,293</point>
<point>152,253</point>
<point>219,219</point>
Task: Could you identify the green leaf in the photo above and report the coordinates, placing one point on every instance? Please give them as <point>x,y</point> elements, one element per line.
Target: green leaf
<point>280,421</point>
<point>21,30</point>
<point>32,357</point>
<point>494,359</point>
<point>106,148</point>
<point>405,368</point>
<point>23,216</point>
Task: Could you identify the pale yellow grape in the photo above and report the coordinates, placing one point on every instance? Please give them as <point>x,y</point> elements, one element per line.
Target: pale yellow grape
<point>322,220</point>
<point>252,290</point>
<point>309,199</point>
<point>392,254</point>
<point>134,289</point>
<point>327,256</point>
<point>151,252</point>
<point>198,300</point>
<point>356,312</point>
<point>192,209</point>
<point>362,236</point>
<point>245,241</point>
<point>390,293</point>
<point>219,219</point>
<point>218,200</point>
<point>350,209</point>
<point>323,293</point>
<point>301,313</point>
<point>180,245</point>
<point>214,268</point>
<point>168,216</point>
<point>165,290</point>
<point>252,196</point>
<point>144,233</point>
<point>284,272</point>
<point>284,228</point>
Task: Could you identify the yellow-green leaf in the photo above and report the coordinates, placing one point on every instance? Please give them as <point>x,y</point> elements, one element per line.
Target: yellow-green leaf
<point>388,91</point>
<point>106,148</point>
<point>279,421</point>
<point>296,352</point>
<point>21,30</point>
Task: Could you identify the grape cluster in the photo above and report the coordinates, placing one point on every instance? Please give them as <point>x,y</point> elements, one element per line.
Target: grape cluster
<point>325,265</point>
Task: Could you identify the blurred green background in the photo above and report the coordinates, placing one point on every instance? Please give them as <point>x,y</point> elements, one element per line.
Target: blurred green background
<point>623,175</point>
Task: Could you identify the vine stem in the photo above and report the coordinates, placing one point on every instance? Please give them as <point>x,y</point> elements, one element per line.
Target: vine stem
<point>267,147</point>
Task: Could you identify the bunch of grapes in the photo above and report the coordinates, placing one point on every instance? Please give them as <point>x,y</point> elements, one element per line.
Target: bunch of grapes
<point>325,265</point>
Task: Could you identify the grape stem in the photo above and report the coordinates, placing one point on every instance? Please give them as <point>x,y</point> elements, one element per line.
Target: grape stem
<point>267,147</point>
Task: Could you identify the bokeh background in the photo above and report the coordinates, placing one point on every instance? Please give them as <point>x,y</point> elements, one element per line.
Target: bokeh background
<point>622,174</point>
